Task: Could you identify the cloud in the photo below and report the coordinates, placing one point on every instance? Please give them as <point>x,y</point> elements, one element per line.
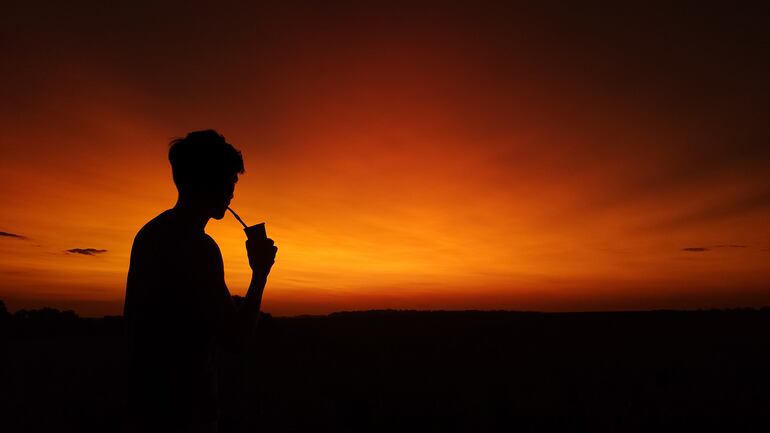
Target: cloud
<point>12,235</point>
<point>757,202</point>
<point>712,158</point>
<point>86,251</point>
<point>702,249</point>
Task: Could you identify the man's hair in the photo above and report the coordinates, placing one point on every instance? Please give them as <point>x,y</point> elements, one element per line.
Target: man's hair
<point>203,157</point>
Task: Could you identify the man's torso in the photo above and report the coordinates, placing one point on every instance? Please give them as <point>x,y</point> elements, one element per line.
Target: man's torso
<point>174,295</point>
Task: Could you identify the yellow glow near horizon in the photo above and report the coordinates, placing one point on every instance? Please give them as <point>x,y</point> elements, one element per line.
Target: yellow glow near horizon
<point>440,166</point>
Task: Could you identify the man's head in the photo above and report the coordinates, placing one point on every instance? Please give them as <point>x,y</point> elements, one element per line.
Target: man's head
<point>205,168</point>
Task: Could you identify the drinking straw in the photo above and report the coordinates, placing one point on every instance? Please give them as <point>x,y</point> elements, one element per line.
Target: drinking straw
<point>237,217</point>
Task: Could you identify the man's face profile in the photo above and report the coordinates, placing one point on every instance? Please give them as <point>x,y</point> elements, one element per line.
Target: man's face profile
<point>215,197</point>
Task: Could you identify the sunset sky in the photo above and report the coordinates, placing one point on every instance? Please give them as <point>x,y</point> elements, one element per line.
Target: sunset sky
<point>427,157</point>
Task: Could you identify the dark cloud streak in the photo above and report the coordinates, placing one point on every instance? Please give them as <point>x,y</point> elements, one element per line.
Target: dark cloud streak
<point>12,235</point>
<point>702,249</point>
<point>86,251</point>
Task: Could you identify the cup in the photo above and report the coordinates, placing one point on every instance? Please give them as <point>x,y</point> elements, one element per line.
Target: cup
<point>256,231</point>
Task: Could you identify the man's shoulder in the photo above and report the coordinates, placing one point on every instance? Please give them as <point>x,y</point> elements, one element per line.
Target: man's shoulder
<point>155,229</point>
<point>211,243</point>
<point>165,233</point>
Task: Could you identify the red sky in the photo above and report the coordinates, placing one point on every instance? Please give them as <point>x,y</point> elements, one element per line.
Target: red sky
<point>402,156</point>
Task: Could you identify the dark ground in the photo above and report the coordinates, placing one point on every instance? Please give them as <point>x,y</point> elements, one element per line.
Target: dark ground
<point>393,371</point>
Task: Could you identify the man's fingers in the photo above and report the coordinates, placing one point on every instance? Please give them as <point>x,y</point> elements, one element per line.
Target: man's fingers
<point>255,242</point>
<point>258,245</point>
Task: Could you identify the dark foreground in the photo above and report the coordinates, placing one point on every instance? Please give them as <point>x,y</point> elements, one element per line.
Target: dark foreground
<point>393,371</point>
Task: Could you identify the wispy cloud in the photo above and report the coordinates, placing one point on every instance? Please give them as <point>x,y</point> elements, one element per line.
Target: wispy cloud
<point>86,251</point>
<point>741,206</point>
<point>12,235</point>
<point>709,248</point>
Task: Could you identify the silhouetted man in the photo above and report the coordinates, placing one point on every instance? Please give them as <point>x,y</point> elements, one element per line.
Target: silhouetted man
<point>177,306</point>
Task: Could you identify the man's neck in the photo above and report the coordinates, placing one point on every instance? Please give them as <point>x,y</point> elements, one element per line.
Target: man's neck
<point>190,215</point>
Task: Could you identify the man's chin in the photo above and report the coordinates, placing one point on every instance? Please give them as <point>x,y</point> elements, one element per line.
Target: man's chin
<point>218,215</point>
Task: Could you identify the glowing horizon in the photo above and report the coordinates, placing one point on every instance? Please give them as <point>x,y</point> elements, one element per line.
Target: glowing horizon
<point>440,166</point>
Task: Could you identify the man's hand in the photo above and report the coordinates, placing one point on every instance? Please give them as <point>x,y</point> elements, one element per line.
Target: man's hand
<point>261,254</point>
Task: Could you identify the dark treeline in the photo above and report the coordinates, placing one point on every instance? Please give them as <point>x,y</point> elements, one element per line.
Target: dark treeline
<point>431,371</point>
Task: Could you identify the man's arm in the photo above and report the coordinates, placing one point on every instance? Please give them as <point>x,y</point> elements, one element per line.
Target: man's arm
<point>248,311</point>
<point>261,253</point>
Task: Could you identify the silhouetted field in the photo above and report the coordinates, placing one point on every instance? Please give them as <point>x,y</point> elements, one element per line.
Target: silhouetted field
<point>391,371</point>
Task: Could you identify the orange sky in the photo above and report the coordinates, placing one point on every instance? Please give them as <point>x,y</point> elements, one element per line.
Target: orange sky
<point>408,157</point>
